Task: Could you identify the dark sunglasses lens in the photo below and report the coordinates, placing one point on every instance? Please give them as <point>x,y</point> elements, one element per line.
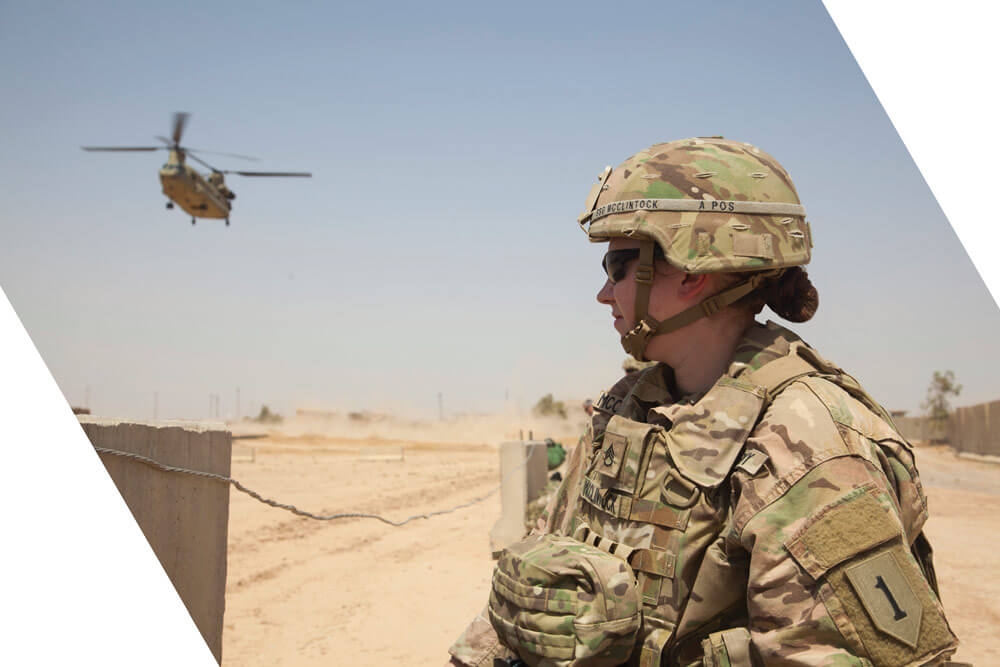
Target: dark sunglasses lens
<point>616,263</point>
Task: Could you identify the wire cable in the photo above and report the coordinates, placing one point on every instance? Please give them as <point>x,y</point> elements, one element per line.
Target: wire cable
<point>292,508</point>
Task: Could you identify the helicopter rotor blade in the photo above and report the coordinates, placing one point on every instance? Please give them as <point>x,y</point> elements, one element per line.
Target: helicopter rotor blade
<point>237,155</point>
<point>164,140</point>
<point>180,119</point>
<point>203,163</point>
<point>121,148</point>
<point>294,174</point>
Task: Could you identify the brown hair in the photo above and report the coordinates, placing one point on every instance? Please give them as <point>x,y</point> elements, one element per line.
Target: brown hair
<point>791,295</point>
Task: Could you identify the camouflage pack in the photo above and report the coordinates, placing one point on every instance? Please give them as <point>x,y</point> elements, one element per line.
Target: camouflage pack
<point>557,602</point>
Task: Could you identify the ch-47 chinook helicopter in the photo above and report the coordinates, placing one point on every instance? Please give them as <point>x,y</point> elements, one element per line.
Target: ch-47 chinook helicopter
<point>201,195</point>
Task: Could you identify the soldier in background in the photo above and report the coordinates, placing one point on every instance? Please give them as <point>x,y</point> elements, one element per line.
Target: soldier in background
<point>741,501</point>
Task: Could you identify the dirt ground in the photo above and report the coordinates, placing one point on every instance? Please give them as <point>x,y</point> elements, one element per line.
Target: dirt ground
<point>360,592</point>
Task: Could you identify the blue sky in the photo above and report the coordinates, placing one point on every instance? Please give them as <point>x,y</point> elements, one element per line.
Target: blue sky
<point>436,248</point>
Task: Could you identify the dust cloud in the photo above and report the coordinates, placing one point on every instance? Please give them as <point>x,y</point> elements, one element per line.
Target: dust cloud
<point>309,425</point>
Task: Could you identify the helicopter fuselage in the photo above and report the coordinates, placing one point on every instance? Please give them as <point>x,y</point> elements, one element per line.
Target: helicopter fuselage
<point>201,197</point>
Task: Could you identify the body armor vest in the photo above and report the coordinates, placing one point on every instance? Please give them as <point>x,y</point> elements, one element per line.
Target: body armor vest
<point>655,492</point>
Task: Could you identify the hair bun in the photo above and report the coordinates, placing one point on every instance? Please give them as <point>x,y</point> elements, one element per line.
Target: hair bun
<point>792,296</point>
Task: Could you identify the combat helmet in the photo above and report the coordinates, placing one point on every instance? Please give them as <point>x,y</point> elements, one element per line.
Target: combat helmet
<point>711,205</point>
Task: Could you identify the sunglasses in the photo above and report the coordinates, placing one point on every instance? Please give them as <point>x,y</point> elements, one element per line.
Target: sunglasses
<point>615,262</point>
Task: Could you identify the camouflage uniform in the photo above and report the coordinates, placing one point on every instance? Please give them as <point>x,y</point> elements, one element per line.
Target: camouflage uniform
<point>778,516</point>
<point>747,527</point>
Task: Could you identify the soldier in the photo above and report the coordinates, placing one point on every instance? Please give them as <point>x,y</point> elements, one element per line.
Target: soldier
<point>744,500</point>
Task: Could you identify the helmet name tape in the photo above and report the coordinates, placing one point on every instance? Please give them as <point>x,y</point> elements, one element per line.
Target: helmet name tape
<point>698,206</point>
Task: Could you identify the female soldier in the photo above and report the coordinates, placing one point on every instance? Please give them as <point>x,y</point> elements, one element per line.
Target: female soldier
<point>767,508</point>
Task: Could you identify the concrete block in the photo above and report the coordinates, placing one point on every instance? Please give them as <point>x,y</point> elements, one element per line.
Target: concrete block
<point>537,469</point>
<point>974,429</point>
<point>383,453</point>
<point>184,518</point>
<point>523,468</point>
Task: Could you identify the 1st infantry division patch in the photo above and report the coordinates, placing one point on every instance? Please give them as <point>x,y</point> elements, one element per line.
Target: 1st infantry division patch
<point>888,597</point>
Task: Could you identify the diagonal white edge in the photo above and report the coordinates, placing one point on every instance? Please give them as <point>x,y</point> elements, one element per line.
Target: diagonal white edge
<point>81,583</point>
<point>934,68</point>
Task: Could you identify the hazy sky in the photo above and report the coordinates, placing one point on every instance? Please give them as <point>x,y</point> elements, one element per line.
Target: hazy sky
<point>436,249</point>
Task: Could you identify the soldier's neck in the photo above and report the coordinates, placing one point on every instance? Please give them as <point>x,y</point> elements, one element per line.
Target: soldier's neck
<point>705,353</point>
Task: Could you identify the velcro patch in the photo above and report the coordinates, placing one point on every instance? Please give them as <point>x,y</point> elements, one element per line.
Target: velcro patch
<point>609,459</point>
<point>607,403</point>
<point>841,531</point>
<point>603,499</point>
<point>746,244</point>
<point>752,461</point>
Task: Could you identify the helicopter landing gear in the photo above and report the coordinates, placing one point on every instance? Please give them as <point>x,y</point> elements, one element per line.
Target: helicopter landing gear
<point>227,222</point>
<point>170,205</point>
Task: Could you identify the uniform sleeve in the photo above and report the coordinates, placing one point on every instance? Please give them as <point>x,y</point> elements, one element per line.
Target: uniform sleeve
<point>833,580</point>
<point>478,644</point>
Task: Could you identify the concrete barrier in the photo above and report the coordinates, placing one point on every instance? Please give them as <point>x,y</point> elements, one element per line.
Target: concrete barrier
<point>916,429</point>
<point>523,474</point>
<point>537,469</point>
<point>383,453</point>
<point>184,518</point>
<point>976,429</point>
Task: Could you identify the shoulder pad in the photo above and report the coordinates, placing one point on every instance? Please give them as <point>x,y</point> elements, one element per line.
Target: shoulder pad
<point>706,438</point>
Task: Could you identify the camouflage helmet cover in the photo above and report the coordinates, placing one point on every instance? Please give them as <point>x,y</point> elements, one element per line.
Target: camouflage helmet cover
<point>740,210</point>
<point>557,602</point>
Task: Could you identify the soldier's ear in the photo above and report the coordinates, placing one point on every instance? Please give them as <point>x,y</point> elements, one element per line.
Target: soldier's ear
<point>693,286</point>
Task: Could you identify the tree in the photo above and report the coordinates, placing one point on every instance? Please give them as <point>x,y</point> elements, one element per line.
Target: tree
<point>547,405</point>
<point>268,417</point>
<point>937,404</point>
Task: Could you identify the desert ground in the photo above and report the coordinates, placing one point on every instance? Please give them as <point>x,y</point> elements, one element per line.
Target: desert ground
<point>361,592</point>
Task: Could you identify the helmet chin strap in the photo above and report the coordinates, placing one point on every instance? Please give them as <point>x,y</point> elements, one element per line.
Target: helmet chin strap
<point>636,340</point>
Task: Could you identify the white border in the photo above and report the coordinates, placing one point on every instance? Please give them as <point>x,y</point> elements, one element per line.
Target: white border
<point>81,583</point>
<point>934,68</point>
